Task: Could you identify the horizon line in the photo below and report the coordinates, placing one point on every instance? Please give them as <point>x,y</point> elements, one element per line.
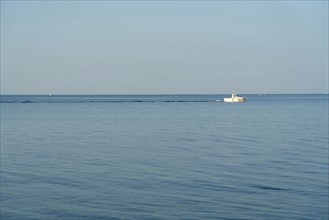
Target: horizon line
<point>130,94</point>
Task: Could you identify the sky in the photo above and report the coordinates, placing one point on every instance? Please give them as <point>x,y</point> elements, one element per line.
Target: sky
<point>164,47</point>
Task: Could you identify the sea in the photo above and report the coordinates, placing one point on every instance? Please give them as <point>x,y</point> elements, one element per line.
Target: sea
<point>167,157</point>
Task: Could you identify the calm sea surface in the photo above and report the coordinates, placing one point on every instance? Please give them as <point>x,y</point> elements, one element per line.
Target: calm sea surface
<point>164,157</point>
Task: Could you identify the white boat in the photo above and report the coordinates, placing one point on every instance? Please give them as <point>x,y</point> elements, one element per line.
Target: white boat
<point>235,98</point>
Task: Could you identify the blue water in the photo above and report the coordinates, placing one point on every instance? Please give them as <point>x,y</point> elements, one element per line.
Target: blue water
<point>164,157</point>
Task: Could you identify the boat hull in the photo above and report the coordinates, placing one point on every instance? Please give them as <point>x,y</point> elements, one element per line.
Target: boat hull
<point>236,99</point>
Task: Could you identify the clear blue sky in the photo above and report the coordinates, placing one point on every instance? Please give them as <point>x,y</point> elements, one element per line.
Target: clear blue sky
<point>143,47</point>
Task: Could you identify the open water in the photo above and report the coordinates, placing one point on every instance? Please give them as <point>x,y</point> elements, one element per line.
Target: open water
<point>164,157</point>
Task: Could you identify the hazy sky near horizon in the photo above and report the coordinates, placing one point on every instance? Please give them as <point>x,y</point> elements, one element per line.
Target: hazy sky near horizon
<point>164,47</point>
